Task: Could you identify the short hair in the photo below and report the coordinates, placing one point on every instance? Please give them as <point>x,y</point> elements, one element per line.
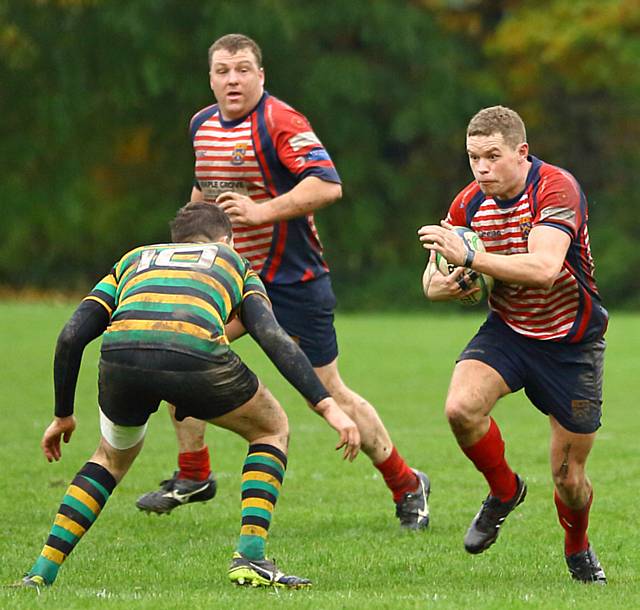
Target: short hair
<point>234,43</point>
<point>197,219</point>
<point>498,119</point>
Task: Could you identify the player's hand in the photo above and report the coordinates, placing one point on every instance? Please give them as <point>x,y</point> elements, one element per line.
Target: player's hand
<point>458,284</point>
<point>344,426</point>
<point>441,239</point>
<point>59,428</point>
<point>242,209</point>
<point>234,329</point>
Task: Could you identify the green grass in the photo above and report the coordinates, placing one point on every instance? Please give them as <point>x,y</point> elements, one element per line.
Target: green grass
<point>334,521</point>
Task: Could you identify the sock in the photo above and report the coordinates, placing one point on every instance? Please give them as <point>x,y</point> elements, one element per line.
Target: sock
<point>400,479</point>
<point>488,457</point>
<point>194,465</point>
<point>262,476</point>
<point>81,505</point>
<point>575,523</point>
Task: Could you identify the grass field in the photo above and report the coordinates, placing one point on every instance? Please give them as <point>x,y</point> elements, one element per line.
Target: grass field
<point>335,521</point>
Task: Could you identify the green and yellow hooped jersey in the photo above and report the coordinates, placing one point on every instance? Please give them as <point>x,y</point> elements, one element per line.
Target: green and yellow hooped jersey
<point>175,296</point>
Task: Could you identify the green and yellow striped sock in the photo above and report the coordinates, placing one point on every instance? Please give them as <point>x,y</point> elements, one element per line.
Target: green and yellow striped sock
<point>262,476</point>
<point>81,505</point>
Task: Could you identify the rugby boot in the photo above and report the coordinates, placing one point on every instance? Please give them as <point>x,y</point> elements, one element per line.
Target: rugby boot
<point>175,492</point>
<point>30,581</point>
<point>262,573</point>
<point>585,567</point>
<point>485,527</point>
<point>413,509</point>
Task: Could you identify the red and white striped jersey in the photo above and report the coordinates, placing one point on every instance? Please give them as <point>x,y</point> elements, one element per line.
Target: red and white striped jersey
<point>263,155</point>
<point>570,311</point>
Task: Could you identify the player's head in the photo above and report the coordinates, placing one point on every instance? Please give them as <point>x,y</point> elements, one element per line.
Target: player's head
<point>200,222</point>
<point>498,151</point>
<point>498,119</point>
<point>236,75</point>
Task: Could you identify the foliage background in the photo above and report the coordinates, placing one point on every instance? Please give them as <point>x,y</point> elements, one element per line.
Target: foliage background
<point>96,95</point>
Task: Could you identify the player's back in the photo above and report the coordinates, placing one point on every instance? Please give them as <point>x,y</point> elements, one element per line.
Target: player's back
<point>175,297</point>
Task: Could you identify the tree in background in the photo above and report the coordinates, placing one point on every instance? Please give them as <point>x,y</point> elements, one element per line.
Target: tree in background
<point>96,96</point>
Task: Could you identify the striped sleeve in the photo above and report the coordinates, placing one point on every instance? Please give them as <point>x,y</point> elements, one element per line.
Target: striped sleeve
<point>253,284</point>
<point>298,147</point>
<point>104,292</point>
<point>457,214</point>
<point>559,201</point>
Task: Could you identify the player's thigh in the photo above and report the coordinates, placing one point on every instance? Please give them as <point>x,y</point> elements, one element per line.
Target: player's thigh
<point>126,394</point>
<point>474,389</point>
<point>305,311</point>
<point>260,416</point>
<point>565,381</point>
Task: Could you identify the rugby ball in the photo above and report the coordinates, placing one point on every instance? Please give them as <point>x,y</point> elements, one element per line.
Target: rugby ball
<point>482,281</point>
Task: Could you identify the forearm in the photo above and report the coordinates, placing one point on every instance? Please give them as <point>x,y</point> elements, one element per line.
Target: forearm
<point>88,322</point>
<point>307,196</point>
<point>527,269</point>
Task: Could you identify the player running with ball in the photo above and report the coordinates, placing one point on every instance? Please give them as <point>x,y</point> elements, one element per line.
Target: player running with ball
<point>544,332</point>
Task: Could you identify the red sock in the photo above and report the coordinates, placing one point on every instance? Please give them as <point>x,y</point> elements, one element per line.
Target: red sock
<point>575,523</point>
<point>400,479</point>
<point>488,457</point>
<point>194,465</point>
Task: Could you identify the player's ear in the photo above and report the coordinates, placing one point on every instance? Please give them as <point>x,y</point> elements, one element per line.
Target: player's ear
<point>523,151</point>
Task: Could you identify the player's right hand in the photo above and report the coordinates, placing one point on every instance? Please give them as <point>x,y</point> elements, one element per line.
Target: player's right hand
<point>59,428</point>
<point>343,425</point>
<point>458,284</point>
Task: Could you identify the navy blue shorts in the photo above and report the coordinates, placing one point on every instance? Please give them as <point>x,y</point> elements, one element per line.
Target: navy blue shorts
<point>305,311</point>
<point>560,379</point>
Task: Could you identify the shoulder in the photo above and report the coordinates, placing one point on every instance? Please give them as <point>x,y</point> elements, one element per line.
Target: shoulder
<point>281,116</point>
<point>468,194</point>
<point>554,181</point>
<point>201,116</point>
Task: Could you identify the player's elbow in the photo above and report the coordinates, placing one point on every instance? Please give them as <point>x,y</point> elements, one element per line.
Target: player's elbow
<point>67,339</point>
<point>545,278</point>
<point>333,191</point>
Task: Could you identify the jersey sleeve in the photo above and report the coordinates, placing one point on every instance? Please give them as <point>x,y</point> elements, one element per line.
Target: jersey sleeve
<point>298,147</point>
<point>104,292</point>
<point>253,284</point>
<point>457,214</point>
<point>559,202</point>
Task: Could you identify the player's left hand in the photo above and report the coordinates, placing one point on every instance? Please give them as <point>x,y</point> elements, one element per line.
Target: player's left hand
<point>442,239</point>
<point>59,428</point>
<point>343,425</point>
<point>242,209</point>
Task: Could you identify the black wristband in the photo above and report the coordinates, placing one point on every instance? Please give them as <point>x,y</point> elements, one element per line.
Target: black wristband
<point>468,261</point>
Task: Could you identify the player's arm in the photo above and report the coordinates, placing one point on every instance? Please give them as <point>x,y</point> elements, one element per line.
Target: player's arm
<point>291,361</point>
<point>196,194</point>
<point>539,267</point>
<point>309,195</point>
<point>439,287</point>
<point>88,321</point>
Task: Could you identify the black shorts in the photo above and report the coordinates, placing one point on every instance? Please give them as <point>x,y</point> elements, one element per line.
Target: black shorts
<point>560,379</point>
<point>305,311</point>
<point>132,383</point>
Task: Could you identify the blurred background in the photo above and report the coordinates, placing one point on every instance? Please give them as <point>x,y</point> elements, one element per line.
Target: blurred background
<point>96,97</point>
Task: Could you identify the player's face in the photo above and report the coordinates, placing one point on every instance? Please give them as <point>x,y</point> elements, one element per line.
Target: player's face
<point>499,169</point>
<point>237,82</point>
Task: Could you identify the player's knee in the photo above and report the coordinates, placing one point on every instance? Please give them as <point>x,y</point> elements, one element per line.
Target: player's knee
<point>458,414</point>
<point>569,483</point>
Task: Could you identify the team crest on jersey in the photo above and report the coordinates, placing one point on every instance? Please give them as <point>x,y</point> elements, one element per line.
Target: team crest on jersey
<point>237,156</point>
<point>525,226</point>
